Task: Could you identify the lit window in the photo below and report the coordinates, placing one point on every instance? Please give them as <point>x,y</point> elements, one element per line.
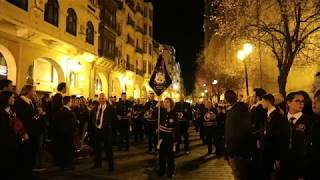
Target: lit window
<point>51,12</point>
<point>23,4</point>
<point>71,22</point>
<point>90,33</point>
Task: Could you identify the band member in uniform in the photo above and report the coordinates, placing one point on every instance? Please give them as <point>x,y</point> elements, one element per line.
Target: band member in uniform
<point>274,138</point>
<point>66,129</point>
<point>315,156</point>
<point>210,126</point>
<point>184,114</point>
<point>150,118</point>
<point>124,115</point>
<point>300,139</point>
<point>168,138</point>
<point>100,131</point>
<point>137,123</point>
<point>258,117</point>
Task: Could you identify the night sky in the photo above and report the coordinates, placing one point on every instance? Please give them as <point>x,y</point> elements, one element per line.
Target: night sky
<point>180,23</point>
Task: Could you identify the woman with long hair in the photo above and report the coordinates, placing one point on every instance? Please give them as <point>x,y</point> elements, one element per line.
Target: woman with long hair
<point>168,138</point>
<point>12,134</point>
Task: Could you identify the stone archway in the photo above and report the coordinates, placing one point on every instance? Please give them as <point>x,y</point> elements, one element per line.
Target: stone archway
<point>136,92</point>
<point>11,63</point>
<point>45,73</point>
<point>104,84</point>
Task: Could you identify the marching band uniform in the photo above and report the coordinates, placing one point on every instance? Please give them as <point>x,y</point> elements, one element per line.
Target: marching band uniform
<point>124,110</point>
<point>274,141</point>
<point>300,140</point>
<point>150,118</point>
<point>184,115</point>
<point>168,130</point>
<point>210,127</point>
<point>66,128</point>
<point>138,122</point>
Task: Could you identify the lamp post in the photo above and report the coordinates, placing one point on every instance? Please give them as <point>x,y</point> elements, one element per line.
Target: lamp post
<point>242,54</point>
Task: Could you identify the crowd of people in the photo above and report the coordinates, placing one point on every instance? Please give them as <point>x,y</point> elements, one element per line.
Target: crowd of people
<point>270,137</point>
<point>265,137</point>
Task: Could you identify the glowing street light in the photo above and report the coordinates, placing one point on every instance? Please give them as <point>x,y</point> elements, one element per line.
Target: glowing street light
<point>204,85</point>
<point>214,82</point>
<point>202,94</point>
<point>241,55</point>
<point>247,48</point>
<point>206,91</point>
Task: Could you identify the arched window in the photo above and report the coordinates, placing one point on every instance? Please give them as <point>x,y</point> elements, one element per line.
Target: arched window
<point>71,22</point>
<point>90,33</point>
<point>23,4</point>
<point>51,12</point>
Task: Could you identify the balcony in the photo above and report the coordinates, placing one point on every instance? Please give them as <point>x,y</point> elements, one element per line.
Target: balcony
<point>140,72</point>
<point>131,5</point>
<point>130,67</point>
<point>139,10</point>
<point>140,30</point>
<point>119,4</point>
<point>131,22</point>
<point>139,50</point>
<point>130,41</point>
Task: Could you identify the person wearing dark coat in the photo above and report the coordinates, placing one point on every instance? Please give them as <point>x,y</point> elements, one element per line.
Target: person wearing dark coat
<point>237,133</point>
<point>124,117</point>
<point>210,126</point>
<point>26,112</point>
<point>298,153</point>
<point>12,135</point>
<point>65,128</point>
<point>100,131</point>
<point>184,114</point>
<point>137,121</point>
<point>258,116</point>
<point>275,138</point>
<point>150,120</point>
<point>168,130</point>
<point>315,155</point>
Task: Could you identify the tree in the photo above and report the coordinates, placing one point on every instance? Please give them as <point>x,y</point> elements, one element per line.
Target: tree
<point>285,27</point>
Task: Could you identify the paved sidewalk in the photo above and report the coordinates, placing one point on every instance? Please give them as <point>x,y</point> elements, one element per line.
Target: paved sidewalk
<point>138,165</point>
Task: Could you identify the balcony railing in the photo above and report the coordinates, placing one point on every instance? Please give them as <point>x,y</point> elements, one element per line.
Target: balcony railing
<point>130,40</point>
<point>130,21</point>
<point>140,29</point>
<point>140,72</point>
<point>131,5</point>
<point>139,50</point>
<point>130,67</point>
<point>139,10</point>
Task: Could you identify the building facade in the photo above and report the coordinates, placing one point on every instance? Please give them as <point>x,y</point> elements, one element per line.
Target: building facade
<point>93,45</point>
<point>47,42</point>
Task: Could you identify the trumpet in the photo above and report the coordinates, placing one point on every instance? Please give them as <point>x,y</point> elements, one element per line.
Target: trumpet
<point>209,116</point>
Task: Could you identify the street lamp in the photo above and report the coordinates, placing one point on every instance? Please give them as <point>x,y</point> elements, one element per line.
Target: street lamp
<point>242,54</point>
<point>247,48</point>
<point>214,82</point>
<point>202,94</point>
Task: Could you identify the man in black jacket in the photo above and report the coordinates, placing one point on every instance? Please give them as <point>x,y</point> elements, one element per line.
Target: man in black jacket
<point>237,131</point>
<point>258,116</point>
<point>184,115</point>
<point>100,131</point>
<point>274,139</point>
<point>150,118</point>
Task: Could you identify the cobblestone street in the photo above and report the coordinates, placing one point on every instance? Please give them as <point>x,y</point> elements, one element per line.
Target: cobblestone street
<point>138,165</point>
